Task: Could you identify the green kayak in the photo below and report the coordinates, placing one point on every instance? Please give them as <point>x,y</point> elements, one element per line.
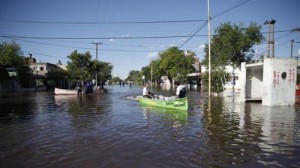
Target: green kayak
<point>179,104</point>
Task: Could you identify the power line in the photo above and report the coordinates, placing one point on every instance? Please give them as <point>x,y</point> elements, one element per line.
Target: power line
<point>107,22</point>
<point>76,47</point>
<point>45,55</point>
<point>194,34</point>
<point>231,8</point>
<point>103,38</point>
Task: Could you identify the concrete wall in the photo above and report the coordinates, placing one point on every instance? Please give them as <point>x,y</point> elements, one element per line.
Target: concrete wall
<point>254,82</point>
<point>251,81</point>
<point>273,81</point>
<point>243,78</point>
<point>280,76</point>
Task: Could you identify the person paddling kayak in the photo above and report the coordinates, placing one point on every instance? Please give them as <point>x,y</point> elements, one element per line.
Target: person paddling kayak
<point>180,90</point>
<point>147,93</point>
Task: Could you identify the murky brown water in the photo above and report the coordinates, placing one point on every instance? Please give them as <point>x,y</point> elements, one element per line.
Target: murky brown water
<point>109,130</point>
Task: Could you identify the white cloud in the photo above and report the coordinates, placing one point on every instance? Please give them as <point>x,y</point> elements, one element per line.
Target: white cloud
<point>183,39</point>
<point>125,35</point>
<point>150,47</point>
<point>201,47</point>
<point>172,45</point>
<point>152,54</point>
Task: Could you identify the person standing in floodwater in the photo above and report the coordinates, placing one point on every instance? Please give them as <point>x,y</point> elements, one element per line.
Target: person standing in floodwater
<point>78,87</point>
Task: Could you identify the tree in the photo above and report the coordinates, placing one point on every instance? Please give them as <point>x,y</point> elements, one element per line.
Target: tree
<point>231,44</point>
<point>103,68</point>
<point>116,80</point>
<point>79,66</point>
<point>12,57</point>
<point>146,71</point>
<point>135,76</point>
<point>176,64</point>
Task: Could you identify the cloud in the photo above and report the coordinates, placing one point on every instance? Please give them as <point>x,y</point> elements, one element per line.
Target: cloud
<point>201,47</point>
<point>183,39</point>
<point>172,45</point>
<point>152,54</point>
<point>125,35</point>
<point>150,48</point>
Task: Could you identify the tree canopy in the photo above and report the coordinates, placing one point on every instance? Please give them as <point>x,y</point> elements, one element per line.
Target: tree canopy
<point>175,64</point>
<point>135,76</point>
<point>233,43</point>
<point>81,67</point>
<point>12,57</point>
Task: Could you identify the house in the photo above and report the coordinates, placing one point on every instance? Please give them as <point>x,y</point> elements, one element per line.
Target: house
<point>40,69</point>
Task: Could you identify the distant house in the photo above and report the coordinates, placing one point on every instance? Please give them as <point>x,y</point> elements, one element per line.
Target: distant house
<point>40,69</point>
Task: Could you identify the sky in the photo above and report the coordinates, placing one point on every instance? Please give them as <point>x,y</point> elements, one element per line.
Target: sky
<point>132,32</point>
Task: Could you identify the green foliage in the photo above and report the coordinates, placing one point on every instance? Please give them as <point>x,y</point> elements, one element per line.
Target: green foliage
<point>175,63</point>
<point>233,43</point>
<point>116,79</point>
<point>157,72</point>
<point>57,74</point>
<point>146,71</point>
<point>135,76</point>
<point>12,57</point>
<point>218,77</point>
<point>79,66</point>
<point>103,68</point>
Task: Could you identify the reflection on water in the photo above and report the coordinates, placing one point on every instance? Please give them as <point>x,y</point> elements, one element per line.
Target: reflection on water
<point>109,130</point>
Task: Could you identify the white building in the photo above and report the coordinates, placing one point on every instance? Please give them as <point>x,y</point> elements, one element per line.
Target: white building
<point>272,81</point>
<point>234,76</point>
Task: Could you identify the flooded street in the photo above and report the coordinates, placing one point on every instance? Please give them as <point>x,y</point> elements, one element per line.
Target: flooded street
<point>112,130</point>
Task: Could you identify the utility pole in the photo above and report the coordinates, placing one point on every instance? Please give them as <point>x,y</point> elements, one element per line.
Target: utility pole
<point>209,50</point>
<point>97,43</point>
<point>151,73</point>
<point>271,41</point>
<point>292,45</point>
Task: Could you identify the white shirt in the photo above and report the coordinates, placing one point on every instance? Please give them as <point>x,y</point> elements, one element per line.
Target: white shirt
<point>145,91</point>
<point>178,89</point>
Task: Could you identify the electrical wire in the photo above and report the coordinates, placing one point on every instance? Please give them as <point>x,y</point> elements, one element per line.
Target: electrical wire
<point>106,22</point>
<point>102,38</point>
<point>76,47</point>
<point>231,8</point>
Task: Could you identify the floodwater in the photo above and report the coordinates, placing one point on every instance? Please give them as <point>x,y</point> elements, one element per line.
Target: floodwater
<point>112,130</point>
